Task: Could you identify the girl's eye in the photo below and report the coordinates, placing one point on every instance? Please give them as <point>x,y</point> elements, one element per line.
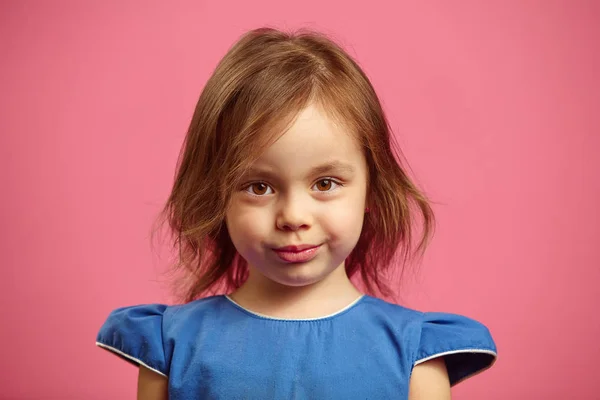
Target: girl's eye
<point>262,189</point>
<point>258,189</point>
<point>326,185</point>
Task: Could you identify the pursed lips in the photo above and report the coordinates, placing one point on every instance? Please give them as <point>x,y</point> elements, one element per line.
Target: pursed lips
<point>296,249</point>
<point>297,254</point>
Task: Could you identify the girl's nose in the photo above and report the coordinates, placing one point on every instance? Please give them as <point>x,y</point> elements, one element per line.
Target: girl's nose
<point>293,216</point>
<point>290,226</point>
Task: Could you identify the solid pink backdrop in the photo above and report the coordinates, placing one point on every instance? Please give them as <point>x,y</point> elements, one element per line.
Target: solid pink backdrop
<point>495,105</point>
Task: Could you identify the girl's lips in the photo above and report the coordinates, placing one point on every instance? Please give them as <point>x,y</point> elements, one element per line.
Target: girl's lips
<point>297,256</point>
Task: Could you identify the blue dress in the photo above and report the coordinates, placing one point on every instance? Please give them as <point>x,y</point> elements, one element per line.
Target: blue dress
<point>213,348</point>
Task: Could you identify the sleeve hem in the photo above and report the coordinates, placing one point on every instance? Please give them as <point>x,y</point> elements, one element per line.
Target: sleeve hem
<point>446,353</point>
<point>128,357</point>
<point>473,373</point>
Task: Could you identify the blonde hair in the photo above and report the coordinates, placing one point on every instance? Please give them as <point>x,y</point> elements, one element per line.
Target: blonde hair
<point>254,94</point>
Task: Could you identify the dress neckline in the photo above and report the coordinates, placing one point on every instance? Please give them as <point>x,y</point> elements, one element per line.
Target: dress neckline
<point>263,316</point>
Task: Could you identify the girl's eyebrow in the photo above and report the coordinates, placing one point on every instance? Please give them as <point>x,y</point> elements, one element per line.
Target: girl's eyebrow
<point>333,166</point>
<point>329,167</point>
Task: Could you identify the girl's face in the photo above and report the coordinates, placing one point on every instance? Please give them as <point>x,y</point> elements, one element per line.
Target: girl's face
<point>307,190</point>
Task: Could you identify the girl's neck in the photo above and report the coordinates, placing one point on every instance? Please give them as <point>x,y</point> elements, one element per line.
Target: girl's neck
<point>263,296</point>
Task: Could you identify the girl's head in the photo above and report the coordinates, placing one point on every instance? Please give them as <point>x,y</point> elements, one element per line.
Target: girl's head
<point>289,146</point>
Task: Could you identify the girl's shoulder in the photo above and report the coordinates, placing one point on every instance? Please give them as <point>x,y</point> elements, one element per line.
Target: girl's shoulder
<point>466,344</point>
<point>144,334</point>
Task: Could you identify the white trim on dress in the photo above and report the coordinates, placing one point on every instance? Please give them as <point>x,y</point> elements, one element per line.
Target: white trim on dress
<point>446,353</point>
<point>296,319</point>
<point>140,362</point>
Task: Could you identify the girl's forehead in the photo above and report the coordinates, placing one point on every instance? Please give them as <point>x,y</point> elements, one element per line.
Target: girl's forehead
<point>313,132</point>
<point>313,138</point>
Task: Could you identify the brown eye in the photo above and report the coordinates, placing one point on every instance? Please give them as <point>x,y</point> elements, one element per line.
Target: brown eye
<point>324,185</point>
<point>258,189</point>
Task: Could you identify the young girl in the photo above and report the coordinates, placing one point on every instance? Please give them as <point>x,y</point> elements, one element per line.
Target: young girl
<point>287,187</point>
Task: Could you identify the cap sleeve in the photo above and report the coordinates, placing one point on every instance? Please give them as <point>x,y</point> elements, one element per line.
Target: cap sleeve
<point>466,345</point>
<point>135,334</point>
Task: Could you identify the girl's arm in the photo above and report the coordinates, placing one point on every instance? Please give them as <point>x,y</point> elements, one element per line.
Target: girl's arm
<point>151,386</point>
<point>429,381</point>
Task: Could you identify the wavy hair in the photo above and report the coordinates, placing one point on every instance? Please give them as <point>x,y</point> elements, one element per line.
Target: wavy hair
<point>257,89</point>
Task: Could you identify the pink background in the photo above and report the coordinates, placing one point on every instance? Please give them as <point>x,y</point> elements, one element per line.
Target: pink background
<point>495,104</point>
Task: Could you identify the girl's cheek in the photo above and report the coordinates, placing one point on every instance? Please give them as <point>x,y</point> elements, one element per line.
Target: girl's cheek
<point>249,222</point>
<point>343,223</point>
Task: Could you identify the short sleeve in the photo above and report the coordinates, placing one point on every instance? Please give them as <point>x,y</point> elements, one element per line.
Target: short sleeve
<point>466,345</point>
<point>135,334</point>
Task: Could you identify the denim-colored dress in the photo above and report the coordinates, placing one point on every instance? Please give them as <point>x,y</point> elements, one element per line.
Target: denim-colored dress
<point>213,348</point>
